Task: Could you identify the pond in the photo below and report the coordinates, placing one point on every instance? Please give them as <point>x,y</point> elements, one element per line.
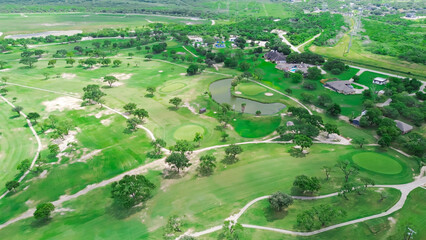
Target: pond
<point>221,93</point>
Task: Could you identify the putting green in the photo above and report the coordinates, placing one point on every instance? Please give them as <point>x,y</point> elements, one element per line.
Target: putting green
<point>172,87</point>
<point>187,132</point>
<point>251,89</point>
<point>377,163</point>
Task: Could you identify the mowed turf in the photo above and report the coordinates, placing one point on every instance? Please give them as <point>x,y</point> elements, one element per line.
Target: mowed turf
<point>377,163</point>
<point>187,132</point>
<point>16,144</point>
<point>250,89</point>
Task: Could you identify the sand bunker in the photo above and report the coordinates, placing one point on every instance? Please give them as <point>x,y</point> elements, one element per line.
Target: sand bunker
<point>182,74</point>
<point>269,94</point>
<point>160,71</point>
<point>5,70</point>
<point>62,103</point>
<point>238,93</point>
<point>55,24</point>
<point>101,113</point>
<point>106,122</point>
<point>122,76</point>
<point>68,76</point>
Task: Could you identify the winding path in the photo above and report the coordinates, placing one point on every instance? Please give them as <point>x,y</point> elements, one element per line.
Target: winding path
<point>405,190</point>
<point>39,145</point>
<point>189,51</point>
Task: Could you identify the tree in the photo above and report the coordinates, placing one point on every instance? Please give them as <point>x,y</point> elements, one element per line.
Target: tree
<point>359,141</point>
<point>324,99</point>
<point>355,78</point>
<point>240,42</point>
<point>158,144</point>
<point>5,78</point>
<point>173,225</point>
<point>141,113</point>
<point>70,61</point>
<point>331,128</point>
<point>348,169</point>
<point>183,146</point>
<point>327,171</point>
<point>244,66</point>
<point>307,184</point>
<point>207,165</point>
<point>33,116</point>
<point>2,64</point>
<point>224,136</point>
<point>197,138</point>
<point>132,123</point>
<point>303,141</point>
<point>231,231</point>
<point>131,55</point>
<point>280,200</point>
<point>385,141</point>
<point>93,93</point>
<point>192,69</point>
<point>296,77</point>
<point>116,63</point>
<point>17,109</point>
<point>345,189</point>
<point>326,213</point>
<point>314,73</point>
<point>151,90</point>
<point>110,80</point>
<point>231,153</point>
<point>12,185</point>
<point>178,161</point>
<point>106,61</point>
<point>243,107</point>
<point>176,102</point>
<point>51,63</point>
<point>131,190</point>
<point>130,107</point>
<point>258,112</point>
<point>334,109</point>
<point>281,130</point>
<point>90,62</point>
<point>29,61</point>
<point>43,211</point>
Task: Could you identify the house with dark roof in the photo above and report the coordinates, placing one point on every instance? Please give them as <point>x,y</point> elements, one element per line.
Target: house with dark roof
<point>344,87</point>
<point>404,127</point>
<point>275,56</point>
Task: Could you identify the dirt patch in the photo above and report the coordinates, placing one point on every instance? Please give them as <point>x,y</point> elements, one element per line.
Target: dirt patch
<point>5,70</point>
<point>88,156</point>
<point>122,76</point>
<point>182,74</point>
<point>62,103</point>
<point>63,143</point>
<point>101,113</point>
<point>269,94</point>
<point>106,122</point>
<point>94,67</point>
<point>68,76</point>
<point>238,93</point>
<point>160,71</point>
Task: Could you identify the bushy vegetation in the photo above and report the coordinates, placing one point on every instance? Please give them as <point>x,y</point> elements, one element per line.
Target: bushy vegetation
<point>396,37</point>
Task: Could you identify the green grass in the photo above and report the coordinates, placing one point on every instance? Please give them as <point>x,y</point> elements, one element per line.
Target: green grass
<point>366,78</point>
<point>16,144</point>
<point>250,88</point>
<point>172,87</point>
<point>346,75</point>
<point>377,163</point>
<point>187,132</point>
<point>357,206</point>
<point>254,127</point>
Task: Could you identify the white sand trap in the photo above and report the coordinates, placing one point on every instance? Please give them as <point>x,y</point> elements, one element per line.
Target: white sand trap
<point>55,24</point>
<point>68,76</point>
<point>269,94</point>
<point>23,15</point>
<point>182,74</point>
<point>160,71</point>
<point>62,103</point>
<point>1,34</point>
<point>238,93</point>
<point>106,122</point>
<point>44,34</point>
<point>5,70</point>
<point>149,20</point>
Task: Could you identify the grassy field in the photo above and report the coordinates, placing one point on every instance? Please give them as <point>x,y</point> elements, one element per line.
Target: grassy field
<point>356,207</point>
<point>381,164</point>
<point>366,78</point>
<point>16,144</point>
<point>41,22</point>
<point>358,56</point>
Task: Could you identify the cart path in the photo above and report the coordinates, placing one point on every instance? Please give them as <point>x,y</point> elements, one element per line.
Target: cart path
<point>157,164</point>
<point>405,190</point>
<point>39,145</point>
<point>189,51</point>
<point>310,40</point>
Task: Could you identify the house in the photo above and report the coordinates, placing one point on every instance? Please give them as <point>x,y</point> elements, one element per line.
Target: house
<point>275,56</point>
<point>357,120</point>
<point>380,81</point>
<point>405,128</point>
<point>290,123</point>
<point>202,110</point>
<point>344,87</point>
<point>410,15</point>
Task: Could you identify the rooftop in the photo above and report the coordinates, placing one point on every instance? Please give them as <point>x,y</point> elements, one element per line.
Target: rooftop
<point>404,127</point>
<point>341,86</point>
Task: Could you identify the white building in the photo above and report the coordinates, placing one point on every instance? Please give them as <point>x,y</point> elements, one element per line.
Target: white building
<point>380,81</point>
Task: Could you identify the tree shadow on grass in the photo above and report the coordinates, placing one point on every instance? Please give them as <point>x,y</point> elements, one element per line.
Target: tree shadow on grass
<point>14,116</point>
<point>149,95</point>
<point>122,213</point>
<point>171,173</point>
<point>297,153</point>
<point>40,223</point>
<point>273,215</point>
<point>172,108</point>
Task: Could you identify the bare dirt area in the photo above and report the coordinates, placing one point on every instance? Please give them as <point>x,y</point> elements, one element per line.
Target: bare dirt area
<point>68,76</point>
<point>63,103</point>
